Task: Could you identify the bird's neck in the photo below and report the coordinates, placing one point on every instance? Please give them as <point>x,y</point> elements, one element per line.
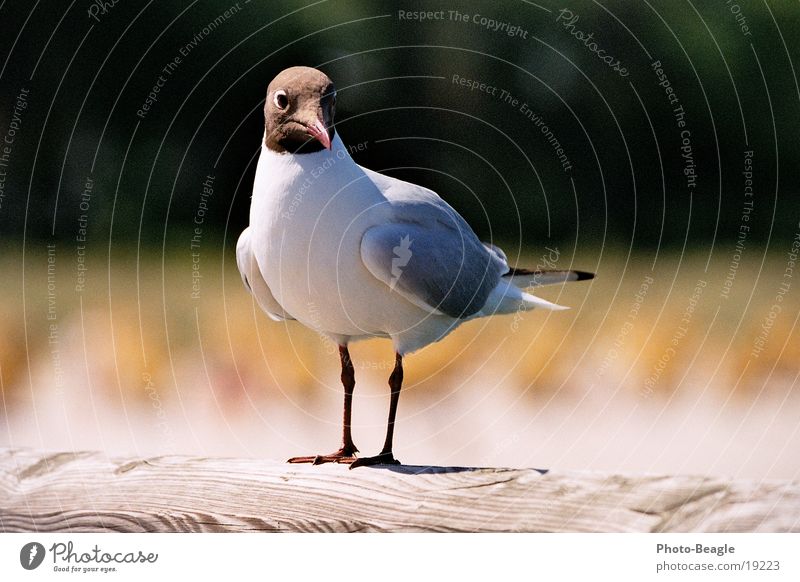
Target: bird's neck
<point>302,175</point>
<point>315,163</point>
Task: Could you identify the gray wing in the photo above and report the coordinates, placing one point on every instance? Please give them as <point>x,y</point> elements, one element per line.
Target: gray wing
<point>427,252</point>
<point>254,281</point>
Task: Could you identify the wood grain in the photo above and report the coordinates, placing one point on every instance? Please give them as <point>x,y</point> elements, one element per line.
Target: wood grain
<point>90,492</point>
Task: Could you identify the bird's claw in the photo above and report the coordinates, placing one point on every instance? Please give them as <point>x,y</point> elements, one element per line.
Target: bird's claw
<point>382,459</point>
<point>344,456</point>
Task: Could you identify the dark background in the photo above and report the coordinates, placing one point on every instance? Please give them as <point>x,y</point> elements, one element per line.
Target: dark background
<point>87,79</point>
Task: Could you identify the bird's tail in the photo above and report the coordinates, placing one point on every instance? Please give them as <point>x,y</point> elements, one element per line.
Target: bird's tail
<point>525,278</point>
<point>509,297</point>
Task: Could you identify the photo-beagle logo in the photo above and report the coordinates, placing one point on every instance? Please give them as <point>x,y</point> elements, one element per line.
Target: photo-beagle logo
<point>31,555</point>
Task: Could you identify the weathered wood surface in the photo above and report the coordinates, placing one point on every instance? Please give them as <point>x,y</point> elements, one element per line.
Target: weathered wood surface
<point>91,492</point>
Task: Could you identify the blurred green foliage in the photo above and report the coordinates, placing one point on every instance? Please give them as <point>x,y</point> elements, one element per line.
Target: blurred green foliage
<point>88,76</point>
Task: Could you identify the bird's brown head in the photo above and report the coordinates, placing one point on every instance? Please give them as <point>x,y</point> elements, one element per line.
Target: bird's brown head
<point>299,110</point>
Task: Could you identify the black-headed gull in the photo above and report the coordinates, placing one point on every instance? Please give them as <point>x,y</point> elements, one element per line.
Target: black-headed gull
<point>354,254</point>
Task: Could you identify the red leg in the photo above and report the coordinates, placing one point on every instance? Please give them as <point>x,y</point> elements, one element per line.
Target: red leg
<point>386,457</point>
<point>347,453</point>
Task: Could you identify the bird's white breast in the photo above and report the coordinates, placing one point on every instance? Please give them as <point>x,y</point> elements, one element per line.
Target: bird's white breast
<point>308,214</point>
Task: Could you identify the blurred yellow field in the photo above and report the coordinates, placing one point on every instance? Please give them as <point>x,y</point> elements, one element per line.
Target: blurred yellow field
<point>648,372</point>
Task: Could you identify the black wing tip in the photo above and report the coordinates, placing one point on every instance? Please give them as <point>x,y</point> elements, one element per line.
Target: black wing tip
<point>516,271</point>
<point>579,275</point>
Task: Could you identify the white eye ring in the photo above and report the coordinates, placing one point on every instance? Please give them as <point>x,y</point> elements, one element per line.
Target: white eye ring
<point>280,99</point>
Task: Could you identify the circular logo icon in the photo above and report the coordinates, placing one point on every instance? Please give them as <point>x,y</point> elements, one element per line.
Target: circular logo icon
<point>31,555</point>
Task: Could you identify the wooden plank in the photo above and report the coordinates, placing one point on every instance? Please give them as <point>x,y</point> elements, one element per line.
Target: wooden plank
<point>88,491</point>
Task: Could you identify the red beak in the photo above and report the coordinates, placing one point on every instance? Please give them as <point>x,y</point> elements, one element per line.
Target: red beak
<point>318,131</point>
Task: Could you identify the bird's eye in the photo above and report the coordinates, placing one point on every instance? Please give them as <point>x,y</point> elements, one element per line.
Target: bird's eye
<point>280,99</point>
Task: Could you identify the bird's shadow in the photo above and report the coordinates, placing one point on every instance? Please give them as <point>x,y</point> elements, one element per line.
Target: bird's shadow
<point>434,470</point>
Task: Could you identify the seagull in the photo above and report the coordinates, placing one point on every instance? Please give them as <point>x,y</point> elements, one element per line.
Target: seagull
<point>354,254</point>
